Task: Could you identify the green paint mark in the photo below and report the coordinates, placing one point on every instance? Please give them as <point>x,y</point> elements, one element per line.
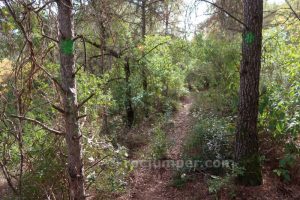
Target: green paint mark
<point>249,37</point>
<point>67,46</point>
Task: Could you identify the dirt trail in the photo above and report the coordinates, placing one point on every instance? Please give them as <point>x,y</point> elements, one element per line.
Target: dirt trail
<point>182,125</point>
<point>155,184</point>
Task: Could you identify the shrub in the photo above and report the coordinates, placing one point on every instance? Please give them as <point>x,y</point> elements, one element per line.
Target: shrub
<point>217,183</point>
<point>107,165</point>
<point>159,144</point>
<point>180,179</point>
<point>211,139</point>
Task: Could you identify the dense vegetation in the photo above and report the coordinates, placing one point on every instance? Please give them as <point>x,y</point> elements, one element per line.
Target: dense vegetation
<point>87,86</point>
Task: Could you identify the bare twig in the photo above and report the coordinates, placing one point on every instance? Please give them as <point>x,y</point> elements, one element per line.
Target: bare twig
<point>84,101</point>
<point>34,121</point>
<point>59,109</point>
<point>50,38</point>
<point>225,11</point>
<point>97,162</point>
<point>156,46</point>
<point>295,13</point>
<point>46,4</point>
<point>8,178</point>
<point>110,51</point>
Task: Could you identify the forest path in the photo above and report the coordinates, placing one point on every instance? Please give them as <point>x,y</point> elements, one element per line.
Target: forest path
<point>156,184</point>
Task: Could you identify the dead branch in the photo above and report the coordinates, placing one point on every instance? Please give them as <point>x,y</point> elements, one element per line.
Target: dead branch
<point>84,101</point>
<point>34,121</point>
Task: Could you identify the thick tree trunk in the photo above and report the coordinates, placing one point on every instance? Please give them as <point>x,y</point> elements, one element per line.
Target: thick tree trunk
<point>73,135</point>
<point>247,147</point>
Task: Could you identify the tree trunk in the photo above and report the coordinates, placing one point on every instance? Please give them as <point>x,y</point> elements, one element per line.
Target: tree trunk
<point>247,146</point>
<point>73,135</point>
<point>128,100</point>
<point>144,67</point>
<point>167,17</point>
<point>143,19</point>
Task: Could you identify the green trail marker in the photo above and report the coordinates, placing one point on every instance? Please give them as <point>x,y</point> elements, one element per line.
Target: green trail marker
<point>249,37</point>
<point>67,46</point>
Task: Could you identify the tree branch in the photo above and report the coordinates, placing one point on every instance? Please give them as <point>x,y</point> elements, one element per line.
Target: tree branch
<point>84,101</point>
<point>34,121</point>
<point>46,4</point>
<point>59,109</point>
<point>8,178</point>
<point>295,13</point>
<point>50,38</point>
<point>110,51</point>
<point>225,11</point>
<point>162,43</point>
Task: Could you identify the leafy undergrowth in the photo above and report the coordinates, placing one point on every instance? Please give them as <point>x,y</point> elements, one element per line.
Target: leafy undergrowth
<point>164,143</point>
<point>212,138</point>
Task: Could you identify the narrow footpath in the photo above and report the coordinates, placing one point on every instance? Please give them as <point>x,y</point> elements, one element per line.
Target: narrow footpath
<point>156,184</point>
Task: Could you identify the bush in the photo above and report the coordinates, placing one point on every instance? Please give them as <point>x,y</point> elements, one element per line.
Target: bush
<point>180,179</point>
<point>211,139</point>
<point>159,144</point>
<point>106,164</point>
<point>215,102</point>
<point>289,160</point>
<point>217,183</point>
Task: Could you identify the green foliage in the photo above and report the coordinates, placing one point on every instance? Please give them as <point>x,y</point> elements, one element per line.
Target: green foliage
<point>279,110</point>
<point>159,144</point>
<point>89,84</point>
<point>209,63</point>
<point>46,159</point>
<point>107,166</point>
<point>292,153</point>
<point>43,164</point>
<point>165,73</point>
<point>279,103</point>
<point>45,154</point>
<point>180,179</point>
<point>214,102</point>
<point>217,183</point>
<point>211,139</point>
<point>215,64</point>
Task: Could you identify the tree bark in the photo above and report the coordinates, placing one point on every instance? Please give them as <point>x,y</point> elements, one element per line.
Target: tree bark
<point>247,146</point>
<point>143,19</point>
<point>167,17</point>
<point>70,104</point>
<point>128,97</point>
<point>143,64</point>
